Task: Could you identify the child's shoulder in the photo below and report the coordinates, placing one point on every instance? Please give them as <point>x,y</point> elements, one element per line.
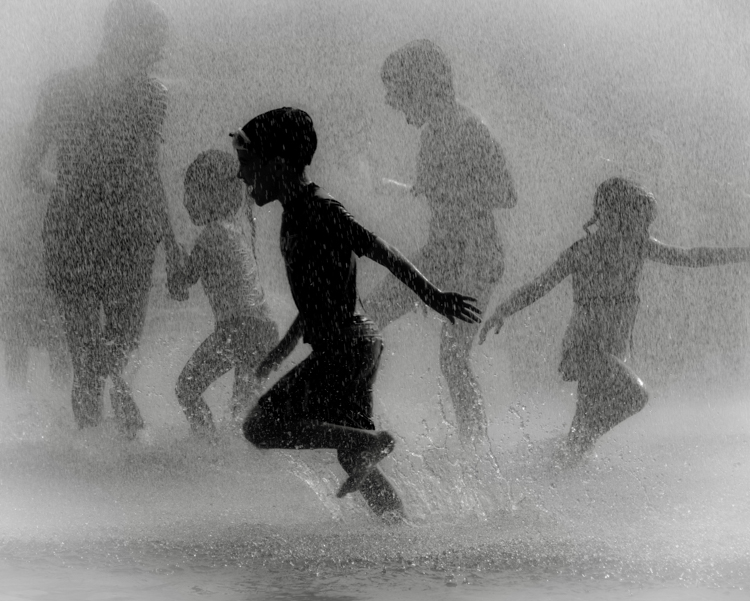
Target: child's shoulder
<point>59,86</point>
<point>325,211</point>
<point>211,234</point>
<point>586,245</point>
<point>471,131</point>
<point>581,251</point>
<point>320,201</point>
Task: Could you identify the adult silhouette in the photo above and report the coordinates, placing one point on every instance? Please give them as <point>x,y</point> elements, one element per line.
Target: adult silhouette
<point>94,144</point>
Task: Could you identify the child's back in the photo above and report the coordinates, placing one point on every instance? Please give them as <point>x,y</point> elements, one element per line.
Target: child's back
<point>606,274</point>
<point>228,269</point>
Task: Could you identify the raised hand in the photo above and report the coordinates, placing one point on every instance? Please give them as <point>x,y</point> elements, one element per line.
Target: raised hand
<point>455,306</point>
<point>496,321</point>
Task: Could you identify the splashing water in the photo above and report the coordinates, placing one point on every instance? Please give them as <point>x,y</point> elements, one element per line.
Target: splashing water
<point>576,92</point>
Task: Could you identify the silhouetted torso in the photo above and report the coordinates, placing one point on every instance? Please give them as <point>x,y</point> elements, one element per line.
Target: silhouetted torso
<point>606,275</point>
<point>106,132</point>
<point>319,239</point>
<point>461,171</point>
<point>224,260</point>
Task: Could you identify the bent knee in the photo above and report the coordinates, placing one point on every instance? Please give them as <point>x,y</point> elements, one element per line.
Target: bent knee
<point>253,431</point>
<point>184,391</point>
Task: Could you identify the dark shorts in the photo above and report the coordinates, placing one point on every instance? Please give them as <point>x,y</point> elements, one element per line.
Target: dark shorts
<point>332,385</point>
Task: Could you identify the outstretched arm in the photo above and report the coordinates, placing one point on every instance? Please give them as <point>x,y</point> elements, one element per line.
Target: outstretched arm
<point>529,293</point>
<point>694,257</point>
<point>36,147</point>
<point>173,251</point>
<point>450,304</point>
<point>281,351</point>
<point>33,173</point>
<point>188,271</point>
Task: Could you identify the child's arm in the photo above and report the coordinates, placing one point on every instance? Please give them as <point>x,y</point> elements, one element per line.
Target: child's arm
<point>530,293</point>
<point>38,144</point>
<point>694,257</point>
<point>281,351</point>
<point>188,272</point>
<point>450,304</point>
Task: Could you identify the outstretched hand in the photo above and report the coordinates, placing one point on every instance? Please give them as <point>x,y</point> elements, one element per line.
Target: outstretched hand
<point>456,306</point>
<point>496,321</point>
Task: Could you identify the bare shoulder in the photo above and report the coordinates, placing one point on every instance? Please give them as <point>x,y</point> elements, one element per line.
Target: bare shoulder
<point>656,250</point>
<point>579,254</point>
<point>470,126</point>
<point>473,135</point>
<point>62,84</point>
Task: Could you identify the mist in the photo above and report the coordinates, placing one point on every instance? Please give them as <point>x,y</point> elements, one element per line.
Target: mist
<point>576,91</point>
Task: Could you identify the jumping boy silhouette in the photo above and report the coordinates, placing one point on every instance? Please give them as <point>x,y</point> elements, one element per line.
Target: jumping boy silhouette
<point>326,400</point>
<point>223,259</point>
<point>463,175</point>
<point>606,267</point>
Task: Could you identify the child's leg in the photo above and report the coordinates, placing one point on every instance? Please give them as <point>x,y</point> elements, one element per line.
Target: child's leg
<point>335,386</point>
<point>358,464</point>
<point>258,337</point>
<point>280,419</point>
<point>211,360</point>
<point>246,388</point>
<point>377,491</point>
<point>455,349</point>
<point>609,392</point>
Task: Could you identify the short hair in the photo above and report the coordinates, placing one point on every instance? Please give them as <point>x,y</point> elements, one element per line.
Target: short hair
<point>213,173</point>
<point>420,66</point>
<point>634,206</point>
<point>127,22</point>
<point>285,132</point>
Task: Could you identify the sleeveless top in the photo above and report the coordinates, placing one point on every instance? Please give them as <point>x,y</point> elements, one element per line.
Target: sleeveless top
<point>606,278</point>
<point>228,270</point>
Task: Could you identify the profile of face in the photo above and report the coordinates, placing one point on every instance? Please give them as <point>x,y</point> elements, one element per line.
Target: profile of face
<point>195,200</point>
<point>401,99</point>
<point>608,222</point>
<point>260,176</point>
<point>135,34</point>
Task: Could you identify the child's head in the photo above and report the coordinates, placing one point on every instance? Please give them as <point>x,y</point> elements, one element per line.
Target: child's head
<point>135,33</point>
<point>272,149</point>
<point>212,191</point>
<point>417,77</point>
<point>622,206</point>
